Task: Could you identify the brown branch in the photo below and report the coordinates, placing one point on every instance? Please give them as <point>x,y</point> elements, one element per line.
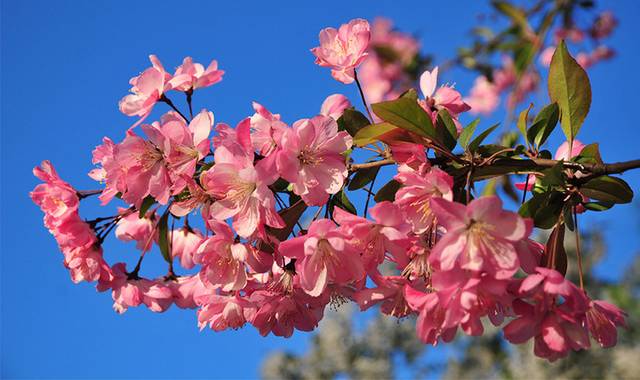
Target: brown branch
<point>366,165</point>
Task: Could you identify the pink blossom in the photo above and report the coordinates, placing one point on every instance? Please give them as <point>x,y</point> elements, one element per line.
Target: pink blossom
<point>73,232</point>
<point>546,55</point>
<point>57,199</point>
<point>280,314</point>
<point>186,289</point>
<point>266,130</point>
<point>389,292</point>
<point>134,228</point>
<point>480,236</point>
<point>222,259</point>
<point>602,321</point>
<point>554,317</point>
<point>143,165</point>
<point>184,243</point>
<point>373,240</point>
<point>343,50</point>
<point>484,96</point>
<point>311,158</point>
<point>323,256</point>
<point>86,263</point>
<point>334,105</point>
<point>134,292</point>
<point>147,88</point>
<point>403,44</point>
<point>190,76</point>
<point>221,312</point>
<point>603,25</point>
<point>414,197</point>
<point>431,316</point>
<point>444,97</point>
<point>185,146</point>
<point>375,81</point>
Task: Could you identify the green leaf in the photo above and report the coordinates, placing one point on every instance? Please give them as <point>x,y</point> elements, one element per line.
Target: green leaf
<point>473,146</point>
<point>543,124</point>
<point>352,121</point>
<point>569,86</point>
<point>387,192</point>
<point>590,154</point>
<point>363,177</point>
<point>598,206</point>
<point>147,202</point>
<point>544,208</point>
<point>290,215</point>
<point>163,237</point>
<point>553,176</point>
<point>446,130</point>
<point>608,189</point>
<point>522,122</point>
<point>407,114</point>
<point>467,132</point>
<point>517,15</point>
<point>341,200</point>
<point>371,133</point>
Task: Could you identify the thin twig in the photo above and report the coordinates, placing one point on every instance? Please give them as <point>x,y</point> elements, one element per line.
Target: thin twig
<point>364,101</point>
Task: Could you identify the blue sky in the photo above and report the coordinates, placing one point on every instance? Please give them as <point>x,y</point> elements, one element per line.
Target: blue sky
<point>65,64</point>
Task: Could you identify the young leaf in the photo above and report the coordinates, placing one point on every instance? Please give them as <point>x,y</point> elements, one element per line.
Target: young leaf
<point>387,192</point>
<point>522,122</point>
<point>608,189</point>
<point>553,176</point>
<point>341,200</point>
<point>352,121</point>
<point>163,237</point>
<point>598,206</point>
<point>473,146</point>
<point>371,133</point>
<point>590,154</point>
<point>543,124</point>
<point>467,132</point>
<point>147,202</point>
<point>446,130</point>
<point>407,114</point>
<point>569,86</point>
<point>363,177</point>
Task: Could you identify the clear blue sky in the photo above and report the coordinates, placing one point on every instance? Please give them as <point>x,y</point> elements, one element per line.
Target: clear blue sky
<point>65,64</point>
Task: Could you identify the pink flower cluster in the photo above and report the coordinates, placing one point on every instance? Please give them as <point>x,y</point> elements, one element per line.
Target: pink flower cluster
<point>452,263</point>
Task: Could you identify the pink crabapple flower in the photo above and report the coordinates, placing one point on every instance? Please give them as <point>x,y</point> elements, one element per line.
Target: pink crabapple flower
<point>603,319</point>
<point>280,314</point>
<point>334,106</point>
<point>223,259</point>
<point>55,197</point>
<point>555,317</point>
<point>483,97</point>
<point>86,263</point>
<point>186,289</point>
<point>431,316</point>
<point>221,312</point>
<point>480,236</point>
<point>344,49</point>
<point>147,89</point>
<point>134,292</point>
<point>389,293</point>
<point>185,146</point>
<point>324,256</point>
<point>131,227</point>
<point>142,168</point>
<point>417,191</point>
<point>266,130</point>
<point>311,158</point>
<point>240,188</point>
<point>445,97</point>
<point>373,239</point>
<point>190,76</point>
<point>184,244</point>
